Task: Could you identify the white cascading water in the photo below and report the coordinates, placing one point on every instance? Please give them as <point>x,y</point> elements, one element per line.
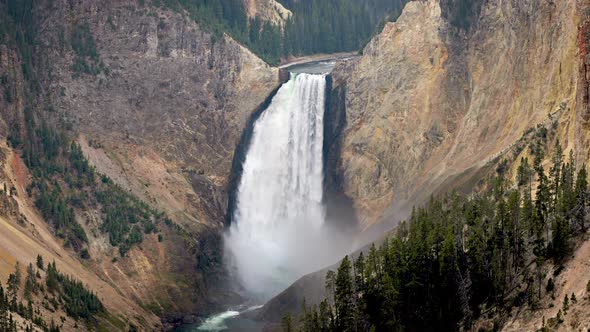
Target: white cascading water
<point>275,236</point>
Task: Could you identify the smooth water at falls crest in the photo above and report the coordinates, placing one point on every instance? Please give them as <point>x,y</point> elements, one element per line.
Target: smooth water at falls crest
<point>275,236</point>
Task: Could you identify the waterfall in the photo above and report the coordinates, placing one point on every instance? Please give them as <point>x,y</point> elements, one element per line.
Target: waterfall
<point>275,235</point>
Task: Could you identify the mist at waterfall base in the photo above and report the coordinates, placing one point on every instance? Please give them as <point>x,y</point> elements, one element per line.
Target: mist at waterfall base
<point>278,231</point>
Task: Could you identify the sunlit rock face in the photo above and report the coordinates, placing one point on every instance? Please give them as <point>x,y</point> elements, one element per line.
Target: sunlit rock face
<point>429,104</point>
<point>267,10</point>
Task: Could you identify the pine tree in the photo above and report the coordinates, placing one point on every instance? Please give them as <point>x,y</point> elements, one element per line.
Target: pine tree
<point>4,306</point>
<point>561,236</point>
<point>550,286</point>
<point>287,323</point>
<point>515,232</point>
<point>330,286</point>
<point>326,317</point>
<point>344,298</point>
<point>14,280</point>
<point>527,212</point>
<point>455,255</point>
<point>17,274</point>
<point>581,194</point>
<point>523,172</point>
<point>360,289</point>
<point>541,213</point>
<point>30,282</point>
<point>555,175</point>
<point>40,264</point>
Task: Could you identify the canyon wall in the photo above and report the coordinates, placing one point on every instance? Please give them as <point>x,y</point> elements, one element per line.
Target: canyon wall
<point>430,103</point>
<point>267,10</point>
<point>435,102</point>
<point>159,108</point>
<point>172,95</point>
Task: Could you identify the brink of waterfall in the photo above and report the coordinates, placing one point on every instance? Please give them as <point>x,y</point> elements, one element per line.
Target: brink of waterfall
<point>276,232</point>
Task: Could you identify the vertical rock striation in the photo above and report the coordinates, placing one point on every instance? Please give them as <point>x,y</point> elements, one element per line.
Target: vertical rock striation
<point>430,103</point>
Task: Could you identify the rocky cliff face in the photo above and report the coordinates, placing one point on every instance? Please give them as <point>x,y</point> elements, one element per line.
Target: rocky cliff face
<point>170,94</point>
<point>429,103</point>
<point>158,104</point>
<point>24,235</point>
<point>267,10</point>
<point>435,102</point>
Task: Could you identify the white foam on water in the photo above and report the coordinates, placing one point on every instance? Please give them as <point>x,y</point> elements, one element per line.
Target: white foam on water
<point>275,235</point>
<point>217,322</point>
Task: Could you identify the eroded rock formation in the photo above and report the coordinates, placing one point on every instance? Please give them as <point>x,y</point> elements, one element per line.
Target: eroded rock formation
<point>159,109</point>
<point>429,103</point>
<point>433,105</point>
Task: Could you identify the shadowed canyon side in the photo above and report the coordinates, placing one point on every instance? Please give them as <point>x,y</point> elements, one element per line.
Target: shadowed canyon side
<point>164,124</point>
<point>173,96</point>
<point>157,104</point>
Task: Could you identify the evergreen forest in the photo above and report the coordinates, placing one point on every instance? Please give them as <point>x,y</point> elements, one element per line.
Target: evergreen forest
<point>316,26</point>
<point>62,179</point>
<point>460,257</point>
<point>45,288</point>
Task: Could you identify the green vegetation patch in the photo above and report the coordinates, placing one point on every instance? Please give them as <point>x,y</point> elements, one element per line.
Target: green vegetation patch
<point>126,218</point>
<point>316,26</point>
<point>58,291</point>
<point>458,255</point>
<point>77,301</point>
<point>86,60</point>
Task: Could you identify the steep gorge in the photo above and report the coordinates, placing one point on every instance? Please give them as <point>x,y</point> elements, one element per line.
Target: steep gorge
<point>428,107</point>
